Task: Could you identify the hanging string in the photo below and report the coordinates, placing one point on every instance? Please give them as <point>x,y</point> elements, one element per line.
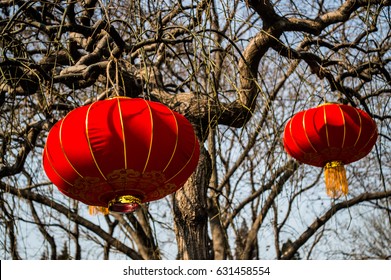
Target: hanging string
<point>323,93</point>
<point>109,82</point>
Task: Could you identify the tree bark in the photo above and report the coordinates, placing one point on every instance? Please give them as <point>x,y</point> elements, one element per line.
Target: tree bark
<point>190,215</point>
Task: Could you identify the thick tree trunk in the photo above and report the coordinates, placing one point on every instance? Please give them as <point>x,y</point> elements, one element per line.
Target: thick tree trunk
<point>190,215</point>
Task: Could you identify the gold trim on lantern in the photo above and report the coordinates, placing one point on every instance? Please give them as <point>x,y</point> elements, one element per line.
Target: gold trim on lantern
<point>51,165</point>
<point>63,150</point>
<point>89,143</point>
<point>344,126</point>
<point>123,133</point>
<point>328,103</point>
<point>325,123</point>
<point>333,164</point>
<point>151,141</point>
<point>293,138</point>
<point>374,133</point>
<point>187,163</point>
<point>359,133</point>
<point>306,134</point>
<point>119,97</point>
<point>176,141</point>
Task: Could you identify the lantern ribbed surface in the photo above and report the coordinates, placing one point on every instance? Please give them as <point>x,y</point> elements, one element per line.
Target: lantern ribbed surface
<point>330,136</point>
<point>120,150</point>
<point>330,132</point>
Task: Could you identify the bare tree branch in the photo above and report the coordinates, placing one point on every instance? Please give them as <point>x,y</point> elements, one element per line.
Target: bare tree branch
<point>321,221</point>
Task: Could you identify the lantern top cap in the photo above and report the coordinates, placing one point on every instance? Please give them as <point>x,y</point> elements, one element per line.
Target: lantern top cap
<point>329,103</point>
<point>119,97</point>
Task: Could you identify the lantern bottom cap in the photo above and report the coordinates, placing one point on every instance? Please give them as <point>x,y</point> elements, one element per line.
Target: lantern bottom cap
<point>124,204</point>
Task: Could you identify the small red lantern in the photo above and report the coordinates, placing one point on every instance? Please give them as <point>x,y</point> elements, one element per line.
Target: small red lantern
<point>118,153</point>
<point>330,136</point>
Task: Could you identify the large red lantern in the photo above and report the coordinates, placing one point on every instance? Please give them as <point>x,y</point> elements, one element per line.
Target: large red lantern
<point>330,136</point>
<point>118,153</point>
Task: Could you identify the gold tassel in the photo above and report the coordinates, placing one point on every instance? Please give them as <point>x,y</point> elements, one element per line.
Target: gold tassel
<point>95,210</point>
<point>335,179</point>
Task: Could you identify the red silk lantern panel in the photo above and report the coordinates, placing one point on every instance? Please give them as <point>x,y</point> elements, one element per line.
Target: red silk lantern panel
<point>120,152</point>
<point>330,136</point>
